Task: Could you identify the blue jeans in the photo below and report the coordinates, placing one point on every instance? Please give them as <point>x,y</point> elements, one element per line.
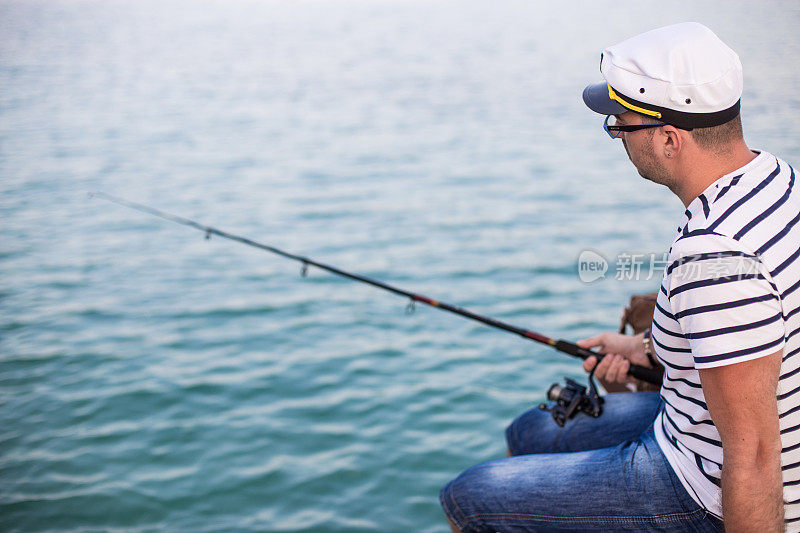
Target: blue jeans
<point>594,474</point>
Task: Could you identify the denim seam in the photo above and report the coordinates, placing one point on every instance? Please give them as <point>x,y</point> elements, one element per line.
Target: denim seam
<point>462,518</point>
<point>674,517</point>
<point>512,438</point>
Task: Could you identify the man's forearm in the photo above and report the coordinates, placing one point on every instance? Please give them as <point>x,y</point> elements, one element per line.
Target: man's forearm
<point>752,496</point>
<point>742,403</point>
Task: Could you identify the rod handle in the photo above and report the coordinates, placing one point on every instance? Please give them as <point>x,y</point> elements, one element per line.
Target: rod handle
<point>650,375</point>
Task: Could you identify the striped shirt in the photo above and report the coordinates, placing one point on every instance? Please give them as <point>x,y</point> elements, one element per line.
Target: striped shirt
<point>729,294</point>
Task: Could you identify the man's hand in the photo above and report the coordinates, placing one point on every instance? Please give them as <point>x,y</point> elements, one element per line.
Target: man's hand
<point>620,351</point>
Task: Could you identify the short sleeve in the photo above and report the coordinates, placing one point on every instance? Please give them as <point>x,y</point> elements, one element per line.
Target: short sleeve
<point>724,298</point>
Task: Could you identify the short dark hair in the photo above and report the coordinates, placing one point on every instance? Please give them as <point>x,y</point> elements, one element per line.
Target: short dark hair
<point>718,137</point>
<point>715,138</point>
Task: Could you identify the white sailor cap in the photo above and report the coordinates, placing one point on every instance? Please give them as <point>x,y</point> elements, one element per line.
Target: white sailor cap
<point>682,74</point>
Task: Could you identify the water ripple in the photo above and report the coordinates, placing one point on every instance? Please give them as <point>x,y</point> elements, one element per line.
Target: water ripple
<point>151,380</point>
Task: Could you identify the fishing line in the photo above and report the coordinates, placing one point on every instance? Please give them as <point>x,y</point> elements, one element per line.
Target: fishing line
<point>649,375</point>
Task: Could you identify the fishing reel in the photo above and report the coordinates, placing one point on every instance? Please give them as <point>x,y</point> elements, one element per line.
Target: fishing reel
<point>573,398</point>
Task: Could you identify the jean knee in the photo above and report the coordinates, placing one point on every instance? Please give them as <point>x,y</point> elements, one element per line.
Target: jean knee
<point>510,432</point>
<point>451,509</point>
<point>531,432</point>
<point>470,494</point>
<point>512,441</point>
<point>477,498</point>
<point>516,430</point>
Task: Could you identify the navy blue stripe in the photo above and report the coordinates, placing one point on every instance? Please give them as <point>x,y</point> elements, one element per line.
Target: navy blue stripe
<point>725,189</point>
<point>771,209</point>
<point>686,381</point>
<point>671,349</point>
<point>708,476</point>
<point>789,467</point>
<point>789,430</point>
<point>667,313</point>
<point>704,201</point>
<point>778,236</point>
<point>676,367</point>
<point>755,190</point>
<point>695,401</point>
<point>792,334</point>
<point>790,411</point>
<point>691,420</point>
<point>671,438</point>
<point>658,342</point>
<point>792,313</point>
<point>713,281</point>
<point>788,375</point>
<point>690,434</point>
<point>707,255</point>
<point>734,329</point>
<point>791,448</point>
<point>790,354</point>
<point>668,332</point>
<point>697,233</point>
<point>725,305</point>
<point>674,442</point>
<point>787,394</point>
<point>737,353</point>
<point>688,219</point>
<point>790,290</point>
<point>789,260</point>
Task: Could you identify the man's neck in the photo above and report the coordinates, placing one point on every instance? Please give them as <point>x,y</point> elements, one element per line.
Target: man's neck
<point>697,173</point>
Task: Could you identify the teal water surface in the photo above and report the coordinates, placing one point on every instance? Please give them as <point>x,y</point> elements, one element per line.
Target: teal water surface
<point>154,381</point>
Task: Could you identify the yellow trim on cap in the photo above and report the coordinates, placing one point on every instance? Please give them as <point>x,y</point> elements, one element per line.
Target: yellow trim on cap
<point>616,98</point>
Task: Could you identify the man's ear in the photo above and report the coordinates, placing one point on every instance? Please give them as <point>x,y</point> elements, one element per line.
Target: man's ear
<point>672,141</point>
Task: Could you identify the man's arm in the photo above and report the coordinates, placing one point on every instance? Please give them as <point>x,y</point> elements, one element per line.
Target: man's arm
<point>742,401</point>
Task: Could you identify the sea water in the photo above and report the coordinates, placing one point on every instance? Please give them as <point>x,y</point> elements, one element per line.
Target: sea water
<point>151,380</point>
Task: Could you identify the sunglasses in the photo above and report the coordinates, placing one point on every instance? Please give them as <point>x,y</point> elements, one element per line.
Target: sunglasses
<point>616,130</point>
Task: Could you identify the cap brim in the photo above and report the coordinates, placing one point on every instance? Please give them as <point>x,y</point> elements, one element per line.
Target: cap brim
<point>596,98</point>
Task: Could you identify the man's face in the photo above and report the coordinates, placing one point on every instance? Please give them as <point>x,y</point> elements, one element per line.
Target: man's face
<point>641,150</point>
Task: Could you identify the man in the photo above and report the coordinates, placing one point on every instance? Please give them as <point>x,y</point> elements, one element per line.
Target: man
<point>721,441</point>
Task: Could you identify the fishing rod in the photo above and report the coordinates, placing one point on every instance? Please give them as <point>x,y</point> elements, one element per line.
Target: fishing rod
<point>640,372</point>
